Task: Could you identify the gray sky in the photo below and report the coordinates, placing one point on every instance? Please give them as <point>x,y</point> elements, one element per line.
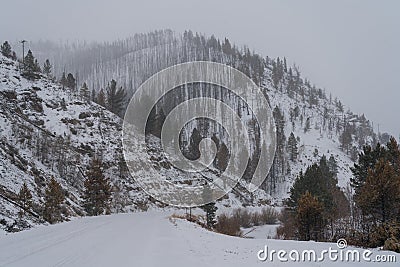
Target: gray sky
<point>349,47</point>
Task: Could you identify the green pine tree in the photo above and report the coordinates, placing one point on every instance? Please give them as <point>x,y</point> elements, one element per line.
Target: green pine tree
<point>25,198</point>
<point>209,208</point>
<point>30,68</point>
<point>47,68</point>
<point>332,164</point>
<point>292,147</point>
<point>115,98</point>
<point>63,80</point>
<point>6,50</point>
<point>101,98</point>
<point>54,198</point>
<point>71,82</point>
<point>84,92</point>
<point>97,194</point>
<point>309,217</point>
<point>379,197</point>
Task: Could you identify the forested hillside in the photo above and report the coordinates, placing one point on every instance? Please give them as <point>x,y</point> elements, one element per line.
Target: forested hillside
<point>58,117</point>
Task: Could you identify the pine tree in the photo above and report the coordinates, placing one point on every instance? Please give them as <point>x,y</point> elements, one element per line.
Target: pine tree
<point>346,139</point>
<point>30,66</point>
<point>47,68</point>
<point>97,194</point>
<point>37,66</point>
<point>14,56</point>
<point>292,147</point>
<point>332,164</point>
<point>367,159</point>
<point>222,157</point>
<point>63,80</point>
<point>25,198</point>
<point>93,96</point>
<point>155,122</point>
<point>317,180</point>
<point>309,217</point>
<point>54,198</point>
<point>194,142</point>
<point>307,126</point>
<point>101,98</point>
<point>115,98</point>
<point>71,82</point>
<point>6,50</point>
<point>380,194</point>
<point>209,208</point>
<point>84,92</point>
<point>280,140</point>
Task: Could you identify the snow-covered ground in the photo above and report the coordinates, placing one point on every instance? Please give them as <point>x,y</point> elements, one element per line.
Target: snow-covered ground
<point>149,239</point>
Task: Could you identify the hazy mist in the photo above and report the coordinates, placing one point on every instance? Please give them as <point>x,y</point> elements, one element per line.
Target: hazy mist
<point>351,48</point>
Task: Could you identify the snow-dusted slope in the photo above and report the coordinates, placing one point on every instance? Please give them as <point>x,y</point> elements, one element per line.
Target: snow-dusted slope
<point>132,61</point>
<point>47,131</point>
<point>148,239</point>
<point>315,139</point>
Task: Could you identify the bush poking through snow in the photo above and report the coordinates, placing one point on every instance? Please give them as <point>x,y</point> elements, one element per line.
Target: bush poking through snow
<point>228,225</point>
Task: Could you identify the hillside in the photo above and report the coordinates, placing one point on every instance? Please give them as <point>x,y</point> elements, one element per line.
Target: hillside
<point>50,131</point>
<point>332,129</point>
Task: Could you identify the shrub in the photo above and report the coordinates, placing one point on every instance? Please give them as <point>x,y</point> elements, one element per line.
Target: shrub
<point>269,215</point>
<point>288,228</point>
<point>243,217</point>
<point>256,219</point>
<point>228,225</point>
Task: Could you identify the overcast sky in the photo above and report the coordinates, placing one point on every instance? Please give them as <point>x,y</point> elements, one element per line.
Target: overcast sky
<point>351,48</point>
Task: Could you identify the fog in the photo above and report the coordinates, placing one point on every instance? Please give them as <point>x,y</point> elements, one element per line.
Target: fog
<point>351,48</point>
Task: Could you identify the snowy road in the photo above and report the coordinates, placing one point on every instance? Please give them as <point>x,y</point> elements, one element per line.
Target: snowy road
<point>144,239</point>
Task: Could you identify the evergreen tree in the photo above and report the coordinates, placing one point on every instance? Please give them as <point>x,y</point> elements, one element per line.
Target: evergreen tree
<point>346,139</point>
<point>309,217</point>
<point>25,197</point>
<point>380,194</point>
<point>101,98</point>
<point>97,194</point>
<point>367,160</point>
<point>115,98</point>
<point>222,157</point>
<point>194,142</point>
<point>93,96</point>
<point>63,80</point>
<point>47,68</point>
<point>210,208</point>
<point>14,56</point>
<point>71,82</point>
<point>6,50</point>
<point>37,66</point>
<point>376,180</point>
<point>317,180</point>
<point>292,147</point>
<point>307,126</point>
<point>54,198</point>
<point>30,66</point>
<point>279,161</point>
<point>84,92</point>
<point>155,122</point>
<point>332,164</point>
